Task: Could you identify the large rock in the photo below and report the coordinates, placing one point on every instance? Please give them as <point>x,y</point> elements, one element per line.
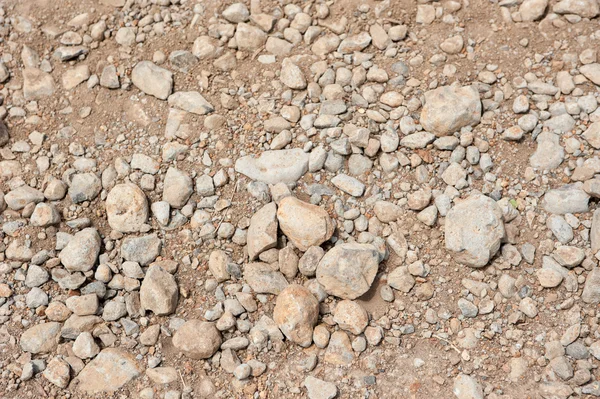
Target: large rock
<point>566,199</point>
<point>126,208</point>
<point>348,270</point>
<point>591,71</point>
<point>263,279</point>
<point>296,314</point>
<point>82,251</point>
<point>37,84</point>
<point>152,79</point>
<point>197,339</point>
<point>474,230</point>
<point>306,225</point>
<point>159,292</point>
<point>108,372</point>
<point>41,338</point>
<point>447,109</point>
<point>18,198</point>
<point>583,8</point>
<point>142,250</point>
<point>272,167</point>
<point>262,232</point>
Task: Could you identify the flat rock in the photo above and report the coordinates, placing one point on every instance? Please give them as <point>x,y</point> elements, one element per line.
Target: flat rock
<point>567,199</point>
<point>107,372</point>
<point>37,84</point>
<point>474,230</point>
<point>319,389</point>
<point>190,101</point>
<point>466,387</point>
<point>262,232</point>
<point>142,250</point>
<point>41,338</point>
<point>263,279</point>
<point>306,225</point>
<point>583,8</point>
<point>272,167</point>
<point>348,270</point>
<point>152,79</point>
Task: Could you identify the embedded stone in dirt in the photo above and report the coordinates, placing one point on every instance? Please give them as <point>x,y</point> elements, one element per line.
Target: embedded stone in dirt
<point>272,167</point>
<point>348,270</point>
<point>108,372</point>
<point>126,208</point>
<point>449,108</point>
<point>474,230</point>
<point>197,339</point>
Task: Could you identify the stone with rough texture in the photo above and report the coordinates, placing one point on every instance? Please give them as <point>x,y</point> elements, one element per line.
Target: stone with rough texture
<point>466,387</point>
<point>159,292</point>
<point>178,187</point>
<point>41,338</point>
<point>108,372</point>
<point>350,316</point>
<point>348,270</point>
<point>291,75</point>
<point>566,199</point>
<point>263,279</point>
<point>591,290</point>
<point>248,37</point>
<point>449,108</point>
<point>142,250</point>
<point>532,10</point>
<point>152,79</point>
<point>583,8</point>
<point>306,225</point>
<point>296,313</point>
<point>474,230</point>
<point>82,251</point>
<point>126,208</point>
<point>197,339</point>
<point>262,233</point>
<point>37,84</point>
<point>272,167</point>
<point>190,101</point>
<point>319,389</point>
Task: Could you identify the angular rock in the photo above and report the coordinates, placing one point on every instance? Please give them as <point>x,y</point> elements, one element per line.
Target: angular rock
<point>262,232</point>
<point>152,79</point>
<point>263,279</point>
<point>566,199</point>
<point>296,313</point>
<point>474,230</point>
<point>82,251</point>
<point>37,84</point>
<point>190,101</point>
<point>108,372</point>
<point>159,292</point>
<point>348,270</point>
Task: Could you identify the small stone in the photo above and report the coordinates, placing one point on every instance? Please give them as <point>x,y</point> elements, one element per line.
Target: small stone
<point>319,389</point>
<point>159,292</point>
<point>126,208</point>
<point>82,251</point>
<point>449,108</point>
<point>304,224</point>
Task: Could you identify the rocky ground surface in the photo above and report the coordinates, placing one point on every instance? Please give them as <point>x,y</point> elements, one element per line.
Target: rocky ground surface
<point>289,199</point>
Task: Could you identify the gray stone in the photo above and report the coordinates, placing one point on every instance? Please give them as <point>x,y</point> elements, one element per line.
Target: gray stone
<point>152,79</point>
<point>142,250</point>
<point>82,251</point>
<point>272,167</point>
<point>449,108</point>
<point>108,372</point>
<point>159,292</point>
<point>348,270</point>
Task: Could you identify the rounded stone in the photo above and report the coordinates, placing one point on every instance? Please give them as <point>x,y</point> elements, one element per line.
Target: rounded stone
<point>296,313</point>
<point>126,208</point>
<point>197,339</point>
